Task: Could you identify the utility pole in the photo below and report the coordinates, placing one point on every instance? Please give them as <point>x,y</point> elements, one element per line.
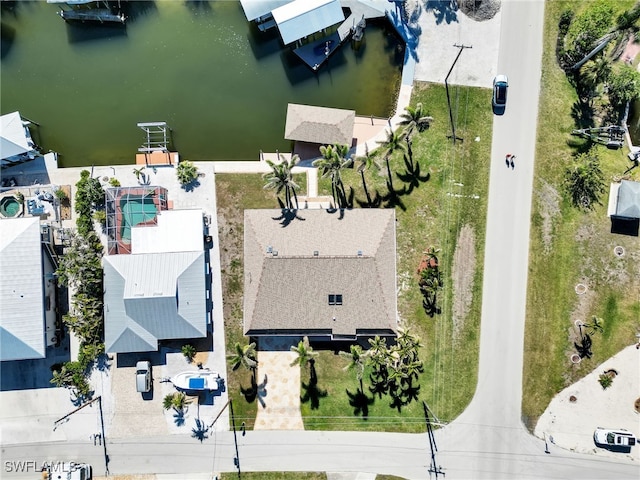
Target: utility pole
<point>446,86</point>
<point>236,459</point>
<point>57,423</point>
<point>434,467</point>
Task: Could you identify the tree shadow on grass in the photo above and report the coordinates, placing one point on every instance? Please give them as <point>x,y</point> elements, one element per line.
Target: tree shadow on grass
<point>360,402</point>
<point>412,176</point>
<point>312,393</point>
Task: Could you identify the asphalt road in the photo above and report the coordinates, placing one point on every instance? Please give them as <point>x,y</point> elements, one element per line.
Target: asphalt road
<point>488,440</point>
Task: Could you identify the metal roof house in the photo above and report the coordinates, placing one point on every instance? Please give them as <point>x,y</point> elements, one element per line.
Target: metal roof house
<point>301,18</point>
<point>624,200</point>
<point>158,292</point>
<point>22,303</point>
<point>321,125</point>
<point>16,144</point>
<point>325,274</point>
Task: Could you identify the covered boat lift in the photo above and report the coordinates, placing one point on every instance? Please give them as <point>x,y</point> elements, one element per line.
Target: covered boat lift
<point>84,11</point>
<point>16,144</point>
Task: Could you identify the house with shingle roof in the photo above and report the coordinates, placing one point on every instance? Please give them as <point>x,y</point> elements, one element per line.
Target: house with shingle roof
<point>330,275</point>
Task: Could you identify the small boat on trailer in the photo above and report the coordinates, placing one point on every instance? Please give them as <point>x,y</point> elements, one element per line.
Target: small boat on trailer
<point>196,380</point>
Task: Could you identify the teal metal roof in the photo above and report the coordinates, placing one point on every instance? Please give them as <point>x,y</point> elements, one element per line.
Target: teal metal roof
<point>151,297</point>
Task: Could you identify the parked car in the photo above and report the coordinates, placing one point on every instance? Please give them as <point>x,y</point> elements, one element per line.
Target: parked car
<point>499,100</point>
<point>614,438</point>
<point>143,376</point>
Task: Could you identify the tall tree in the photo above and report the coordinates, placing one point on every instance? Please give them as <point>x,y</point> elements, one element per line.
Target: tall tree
<point>357,359</point>
<point>305,353</point>
<point>334,160</point>
<point>244,356</point>
<point>280,179</point>
<point>366,162</point>
<point>393,142</point>
<point>414,119</point>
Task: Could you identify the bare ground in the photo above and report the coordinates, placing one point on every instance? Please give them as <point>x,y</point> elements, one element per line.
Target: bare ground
<point>464,266</point>
<point>549,201</point>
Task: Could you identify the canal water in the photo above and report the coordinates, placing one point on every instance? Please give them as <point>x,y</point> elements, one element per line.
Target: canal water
<point>220,84</point>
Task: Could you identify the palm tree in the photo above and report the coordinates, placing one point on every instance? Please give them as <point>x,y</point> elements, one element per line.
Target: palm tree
<point>186,172</point>
<point>244,355</point>
<point>138,172</point>
<point>595,325</point>
<point>393,142</point>
<point>414,119</point>
<point>365,163</point>
<point>332,162</point>
<point>305,353</point>
<point>281,178</point>
<point>356,361</point>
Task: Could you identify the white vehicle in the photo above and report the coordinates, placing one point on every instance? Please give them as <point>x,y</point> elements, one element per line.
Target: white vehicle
<point>614,438</point>
<point>143,376</point>
<point>66,471</point>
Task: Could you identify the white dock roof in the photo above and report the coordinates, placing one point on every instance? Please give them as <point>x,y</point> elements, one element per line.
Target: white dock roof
<point>302,18</point>
<point>254,9</point>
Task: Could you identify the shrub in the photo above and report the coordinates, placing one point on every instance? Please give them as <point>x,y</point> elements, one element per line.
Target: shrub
<point>605,380</point>
<point>189,352</point>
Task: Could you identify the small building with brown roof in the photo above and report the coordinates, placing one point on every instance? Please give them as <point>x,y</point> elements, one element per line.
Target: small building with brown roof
<point>330,275</point>
<point>319,125</point>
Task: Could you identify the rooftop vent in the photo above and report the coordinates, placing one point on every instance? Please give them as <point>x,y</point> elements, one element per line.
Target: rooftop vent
<point>359,253</point>
<point>275,253</point>
<point>315,253</point>
<point>269,249</point>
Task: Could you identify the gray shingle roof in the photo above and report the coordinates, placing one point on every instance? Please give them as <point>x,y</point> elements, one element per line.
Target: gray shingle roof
<point>287,290</point>
<point>628,205</point>
<point>328,126</point>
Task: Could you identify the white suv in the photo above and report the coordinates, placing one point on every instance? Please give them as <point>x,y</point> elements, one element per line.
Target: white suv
<point>614,438</point>
<point>143,376</point>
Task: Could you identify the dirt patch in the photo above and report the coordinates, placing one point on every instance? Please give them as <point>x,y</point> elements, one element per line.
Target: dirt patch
<point>479,10</point>
<point>464,266</point>
<point>65,205</point>
<point>549,207</point>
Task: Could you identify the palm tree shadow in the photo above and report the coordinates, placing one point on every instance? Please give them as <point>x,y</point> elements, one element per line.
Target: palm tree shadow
<point>199,432</point>
<point>287,216</point>
<point>375,202</point>
<point>412,176</point>
<point>392,198</point>
<point>360,402</point>
<point>178,417</point>
<point>378,384</point>
<point>313,393</point>
<point>251,393</point>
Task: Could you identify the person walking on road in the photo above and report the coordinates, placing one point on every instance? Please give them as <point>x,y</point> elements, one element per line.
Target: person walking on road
<point>507,158</point>
<point>513,165</point>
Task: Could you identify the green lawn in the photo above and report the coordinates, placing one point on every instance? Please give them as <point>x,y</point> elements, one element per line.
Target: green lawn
<point>449,193</point>
<point>570,247</point>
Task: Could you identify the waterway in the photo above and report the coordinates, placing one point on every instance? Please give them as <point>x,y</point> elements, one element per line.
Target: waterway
<point>220,84</point>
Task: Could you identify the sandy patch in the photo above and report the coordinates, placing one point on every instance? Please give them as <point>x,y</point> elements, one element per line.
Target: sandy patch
<point>464,267</point>
<point>548,208</point>
<point>570,424</point>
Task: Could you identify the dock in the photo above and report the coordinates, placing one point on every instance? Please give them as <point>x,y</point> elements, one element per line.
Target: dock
<point>316,53</point>
<point>100,15</point>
